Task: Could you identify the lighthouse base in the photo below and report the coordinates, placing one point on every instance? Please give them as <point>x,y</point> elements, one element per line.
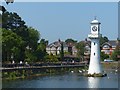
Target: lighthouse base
<point>96,75</point>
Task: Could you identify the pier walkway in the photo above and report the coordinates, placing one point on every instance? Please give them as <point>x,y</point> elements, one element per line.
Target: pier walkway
<point>39,66</point>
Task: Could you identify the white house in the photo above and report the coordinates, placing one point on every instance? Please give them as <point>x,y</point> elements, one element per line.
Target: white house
<point>109,47</point>
<point>55,48</point>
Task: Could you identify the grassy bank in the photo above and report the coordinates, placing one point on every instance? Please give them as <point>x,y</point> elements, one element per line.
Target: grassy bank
<point>23,74</point>
<point>110,65</point>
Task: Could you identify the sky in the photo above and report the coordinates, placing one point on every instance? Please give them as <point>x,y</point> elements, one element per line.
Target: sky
<point>62,0</point>
<point>63,20</point>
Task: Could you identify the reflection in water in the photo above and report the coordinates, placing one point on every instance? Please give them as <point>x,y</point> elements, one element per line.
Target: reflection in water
<point>93,82</point>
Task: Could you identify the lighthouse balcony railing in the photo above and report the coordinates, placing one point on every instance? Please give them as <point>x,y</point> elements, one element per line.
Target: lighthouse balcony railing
<point>94,35</point>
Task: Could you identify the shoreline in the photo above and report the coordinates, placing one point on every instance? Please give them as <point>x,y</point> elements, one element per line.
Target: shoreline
<point>14,75</point>
<point>110,65</point>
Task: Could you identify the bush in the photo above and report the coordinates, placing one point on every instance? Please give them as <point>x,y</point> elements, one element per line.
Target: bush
<point>104,56</point>
<point>51,58</point>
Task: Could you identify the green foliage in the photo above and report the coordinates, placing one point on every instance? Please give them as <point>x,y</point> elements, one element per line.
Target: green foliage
<point>12,75</point>
<point>62,52</point>
<point>19,40</point>
<point>0,43</point>
<point>70,41</point>
<point>115,54</point>
<point>67,53</point>
<point>103,40</point>
<point>10,43</point>
<point>23,74</point>
<point>0,19</point>
<point>15,53</point>
<point>103,56</point>
<point>41,50</point>
<point>33,38</point>
<point>80,49</point>
<point>51,58</point>
<point>30,56</point>
<point>31,50</point>
<point>13,22</point>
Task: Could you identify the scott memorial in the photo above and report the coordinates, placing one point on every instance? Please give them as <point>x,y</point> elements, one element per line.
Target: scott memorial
<point>95,68</point>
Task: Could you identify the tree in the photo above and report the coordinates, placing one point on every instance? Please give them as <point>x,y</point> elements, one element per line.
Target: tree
<point>13,22</point>
<point>30,56</point>
<point>80,49</point>
<point>41,50</point>
<point>70,41</point>
<point>30,36</point>
<point>115,53</point>
<point>0,43</point>
<point>33,38</point>
<point>32,44</point>
<point>103,56</point>
<point>51,58</point>
<point>62,52</point>
<point>103,40</point>
<point>10,42</point>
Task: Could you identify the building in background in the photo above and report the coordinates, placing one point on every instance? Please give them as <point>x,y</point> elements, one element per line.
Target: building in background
<point>55,48</point>
<point>70,50</point>
<point>109,47</point>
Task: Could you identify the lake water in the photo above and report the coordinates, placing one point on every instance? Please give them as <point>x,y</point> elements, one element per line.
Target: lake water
<point>68,80</point>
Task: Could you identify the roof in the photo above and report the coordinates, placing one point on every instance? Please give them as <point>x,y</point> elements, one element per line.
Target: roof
<point>95,22</point>
<point>57,44</point>
<point>111,43</point>
<point>87,42</point>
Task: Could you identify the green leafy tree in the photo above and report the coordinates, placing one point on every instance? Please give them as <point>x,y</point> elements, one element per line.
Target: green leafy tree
<point>13,22</point>
<point>115,53</point>
<point>41,49</point>
<point>80,49</point>
<point>0,43</point>
<point>32,44</point>
<point>34,36</point>
<point>70,41</point>
<point>30,56</point>
<point>62,52</point>
<point>10,42</point>
<point>103,56</point>
<point>103,40</point>
<point>51,58</point>
<point>67,53</point>
<point>0,20</point>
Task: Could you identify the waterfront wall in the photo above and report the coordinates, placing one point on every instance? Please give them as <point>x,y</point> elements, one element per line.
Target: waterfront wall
<point>110,65</point>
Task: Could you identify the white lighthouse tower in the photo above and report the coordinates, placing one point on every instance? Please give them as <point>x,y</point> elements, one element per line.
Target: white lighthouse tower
<point>95,66</point>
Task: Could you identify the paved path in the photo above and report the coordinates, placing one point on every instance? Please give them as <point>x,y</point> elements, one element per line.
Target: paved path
<point>42,67</point>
